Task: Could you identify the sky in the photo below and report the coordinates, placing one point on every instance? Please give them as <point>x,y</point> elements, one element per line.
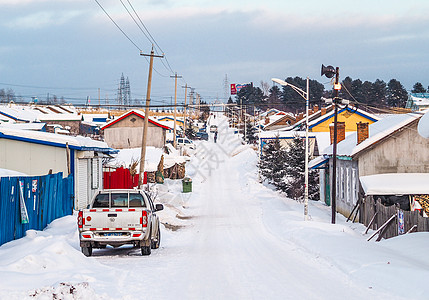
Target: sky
<point>71,48</point>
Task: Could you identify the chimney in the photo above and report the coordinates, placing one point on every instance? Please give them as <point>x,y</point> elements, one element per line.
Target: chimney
<point>322,111</point>
<point>362,132</point>
<point>315,108</point>
<point>341,131</point>
<point>299,117</point>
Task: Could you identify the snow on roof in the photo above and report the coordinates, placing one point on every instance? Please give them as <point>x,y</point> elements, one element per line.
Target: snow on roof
<point>331,114</point>
<point>396,184</point>
<point>153,155</point>
<point>18,113</point>
<point>10,173</point>
<point>135,112</point>
<point>377,131</point>
<point>419,101</point>
<point>52,139</point>
<point>275,118</point>
<point>59,117</point>
<point>38,113</point>
<point>23,126</point>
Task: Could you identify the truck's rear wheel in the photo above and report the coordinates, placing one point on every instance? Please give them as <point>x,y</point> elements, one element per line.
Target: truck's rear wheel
<point>155,243</point>
<point>146,250</point>
<point>87,251</point>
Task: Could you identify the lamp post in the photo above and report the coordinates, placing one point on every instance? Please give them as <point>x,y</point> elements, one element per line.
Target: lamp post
<point>330,72</point>
<point>306,96</point>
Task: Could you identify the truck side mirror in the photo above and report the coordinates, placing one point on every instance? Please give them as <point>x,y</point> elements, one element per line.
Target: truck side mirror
<point>159,207</point>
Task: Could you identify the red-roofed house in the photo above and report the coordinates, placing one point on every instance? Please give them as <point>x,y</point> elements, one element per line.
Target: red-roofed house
<point>127,130</point>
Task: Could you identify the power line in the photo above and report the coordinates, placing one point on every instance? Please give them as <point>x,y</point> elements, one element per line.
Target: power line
<point>149,36</point>
<point>118,26</point>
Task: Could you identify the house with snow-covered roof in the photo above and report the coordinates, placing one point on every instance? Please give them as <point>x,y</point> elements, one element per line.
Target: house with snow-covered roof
<point>387,148</point>
<point>418,101</point>
<point>39,153</point>
<point>126,131</point>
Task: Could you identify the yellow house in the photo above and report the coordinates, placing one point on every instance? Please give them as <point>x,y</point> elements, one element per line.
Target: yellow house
<point>349,115</point>
<point>179,121</point>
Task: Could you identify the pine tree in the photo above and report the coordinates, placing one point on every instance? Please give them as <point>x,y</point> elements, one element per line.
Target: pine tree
<point>270,164</point>
<point>250,136</point>
<point>418,88</point>
<point>396,94</point>
<point>294,183</point>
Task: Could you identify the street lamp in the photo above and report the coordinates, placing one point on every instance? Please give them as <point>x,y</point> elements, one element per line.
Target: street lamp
<point>306,96</point>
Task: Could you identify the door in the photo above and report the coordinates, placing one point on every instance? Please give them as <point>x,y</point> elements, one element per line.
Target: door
<point>82,183</point>
<point>327,188</point>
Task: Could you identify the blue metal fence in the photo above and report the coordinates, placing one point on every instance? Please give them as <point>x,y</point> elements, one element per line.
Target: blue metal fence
<point>46,198</point>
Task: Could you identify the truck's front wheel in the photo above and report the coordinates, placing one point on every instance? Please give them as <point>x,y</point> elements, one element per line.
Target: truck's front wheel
<point>87,251</point>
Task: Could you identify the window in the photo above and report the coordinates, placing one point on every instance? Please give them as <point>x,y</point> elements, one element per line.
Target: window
<point>348,185</point>
<point>354,186</point>
<point>101,200</point>
<point>136,200</point>
<point>119,200</point>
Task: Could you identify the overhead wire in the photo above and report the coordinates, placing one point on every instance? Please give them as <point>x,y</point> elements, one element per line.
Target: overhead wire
<point>120,29</point>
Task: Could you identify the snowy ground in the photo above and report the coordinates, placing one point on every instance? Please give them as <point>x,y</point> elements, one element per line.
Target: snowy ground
<point>231,238</point>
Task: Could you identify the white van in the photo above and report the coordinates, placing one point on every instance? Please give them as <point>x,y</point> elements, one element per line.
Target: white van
<point>185,142</point>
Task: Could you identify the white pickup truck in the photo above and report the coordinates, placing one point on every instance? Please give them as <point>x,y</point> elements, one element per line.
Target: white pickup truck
<point>119,217</point>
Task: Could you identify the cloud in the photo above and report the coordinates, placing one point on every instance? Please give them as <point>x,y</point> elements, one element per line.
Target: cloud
<point>42,19</point>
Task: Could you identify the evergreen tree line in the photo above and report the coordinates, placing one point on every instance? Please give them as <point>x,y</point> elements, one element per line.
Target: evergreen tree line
<point>285,169</point>
<point>377,94</point>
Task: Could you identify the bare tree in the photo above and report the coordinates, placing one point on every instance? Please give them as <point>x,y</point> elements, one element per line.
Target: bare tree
<point>265,87</point>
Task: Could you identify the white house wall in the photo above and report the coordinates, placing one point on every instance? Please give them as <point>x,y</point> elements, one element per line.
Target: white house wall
<point>406,152</point>
<point>32,159</point>
<point>88,179</point>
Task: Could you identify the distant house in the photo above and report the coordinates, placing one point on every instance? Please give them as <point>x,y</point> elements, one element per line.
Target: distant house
<point>389,146</point>
<point>39,153</point>
<point>317,141</point>
<point>52,115</point>
<point>179,120</point>
<point>279,120</point>
<point>418,101</point>
<point>127,131</point>
<point>348,115</point>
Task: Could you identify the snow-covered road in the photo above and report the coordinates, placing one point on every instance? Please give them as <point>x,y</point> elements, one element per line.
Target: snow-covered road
<point>240,240</point>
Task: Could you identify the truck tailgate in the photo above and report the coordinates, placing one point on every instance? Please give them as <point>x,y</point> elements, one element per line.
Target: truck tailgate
<point>112,219</point>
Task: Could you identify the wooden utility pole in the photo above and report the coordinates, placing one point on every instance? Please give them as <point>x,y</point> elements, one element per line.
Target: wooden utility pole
<point>175,109</point>
<point>146,116</point>
<point>184,109</point>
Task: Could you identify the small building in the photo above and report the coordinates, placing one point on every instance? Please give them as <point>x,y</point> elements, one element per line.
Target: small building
<point>418,101</point>
<point>39,153</point>
<point>127,131</point>
<point>348,115</point>
<point>277,121</point>
<point>391,145</point>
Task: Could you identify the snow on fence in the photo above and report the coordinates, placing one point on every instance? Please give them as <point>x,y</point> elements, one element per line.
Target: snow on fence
<point>46,198</point>
<point>374,215</point>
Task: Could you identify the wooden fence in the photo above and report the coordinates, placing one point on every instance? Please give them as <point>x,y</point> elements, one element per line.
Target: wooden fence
<point>384,219</point>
